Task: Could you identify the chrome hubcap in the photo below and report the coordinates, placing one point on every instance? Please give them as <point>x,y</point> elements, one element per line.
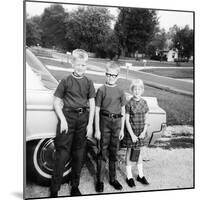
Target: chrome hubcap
<point>47,155</point>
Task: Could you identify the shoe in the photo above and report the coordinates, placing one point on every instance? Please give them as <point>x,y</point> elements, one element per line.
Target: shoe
<point>53,194</point>
<point>99,187</point>
<point>116,184</point>
<point>142,180</point>
<point>75,191</point>
<point>130,182</point>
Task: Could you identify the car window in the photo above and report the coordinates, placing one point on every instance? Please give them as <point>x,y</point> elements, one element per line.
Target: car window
<point>45,78</point>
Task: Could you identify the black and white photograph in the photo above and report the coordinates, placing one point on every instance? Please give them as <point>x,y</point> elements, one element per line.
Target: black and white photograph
<point>109,99</point>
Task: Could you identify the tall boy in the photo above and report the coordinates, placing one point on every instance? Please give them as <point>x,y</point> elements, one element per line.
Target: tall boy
<point>75,122</point>
<point>109,123</point>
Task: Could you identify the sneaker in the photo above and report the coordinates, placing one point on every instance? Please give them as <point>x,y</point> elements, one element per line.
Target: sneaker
<point>53,194</point>
<point>75,191</point>
<point>99,187</point>
<point>142,180</point>
<point>116,184</point>
<point>130,182</point>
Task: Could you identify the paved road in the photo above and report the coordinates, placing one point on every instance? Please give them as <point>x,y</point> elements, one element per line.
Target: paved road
<point>172,84</point>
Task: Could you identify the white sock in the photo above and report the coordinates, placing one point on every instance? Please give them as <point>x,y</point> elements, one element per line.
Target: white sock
<point>129,171</point>
<point>140,170</point>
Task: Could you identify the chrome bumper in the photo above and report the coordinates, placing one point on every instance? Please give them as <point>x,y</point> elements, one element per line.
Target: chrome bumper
<point>157,134</point>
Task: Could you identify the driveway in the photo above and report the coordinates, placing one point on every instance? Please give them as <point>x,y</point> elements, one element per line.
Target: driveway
<point>167,165</point>
<point>165,169</point>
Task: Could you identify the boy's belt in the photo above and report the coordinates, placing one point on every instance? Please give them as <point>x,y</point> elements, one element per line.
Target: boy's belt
<point>111,115</point>
<point>76,110</point>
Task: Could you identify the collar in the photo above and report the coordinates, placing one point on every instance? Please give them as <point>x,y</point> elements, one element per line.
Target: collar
<point>109,85</point>
<point>137,99</point>
<point>75,75</point>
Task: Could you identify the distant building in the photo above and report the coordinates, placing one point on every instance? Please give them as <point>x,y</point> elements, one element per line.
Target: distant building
<point>172,54</point>
<point>138,55</point>
<point>169,54</point>
<point>191,58</point>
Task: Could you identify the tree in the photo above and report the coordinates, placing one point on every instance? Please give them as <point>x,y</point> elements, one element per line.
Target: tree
<point>183,41</point>
<point>173,30</point>
<point>33,31</point>
<point>158,42</point>
<point>87,27</point>
<point>108,47</point>
<point>135,28</point>
<point>53,25</point>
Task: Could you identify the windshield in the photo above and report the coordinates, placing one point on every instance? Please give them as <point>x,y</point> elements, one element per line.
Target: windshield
<point>41,78</point>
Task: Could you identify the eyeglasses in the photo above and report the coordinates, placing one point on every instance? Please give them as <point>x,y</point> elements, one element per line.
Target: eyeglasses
<point>111,75</point>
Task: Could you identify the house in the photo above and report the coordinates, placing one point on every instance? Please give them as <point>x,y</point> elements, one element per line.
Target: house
<point>169,54</point>
<point>172,55</point>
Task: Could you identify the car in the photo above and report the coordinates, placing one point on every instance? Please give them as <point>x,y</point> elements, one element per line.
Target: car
<point>159,57</point>
<point>41,122</point>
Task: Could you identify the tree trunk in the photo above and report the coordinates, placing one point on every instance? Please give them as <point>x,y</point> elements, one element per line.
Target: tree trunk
<point>123,52</point>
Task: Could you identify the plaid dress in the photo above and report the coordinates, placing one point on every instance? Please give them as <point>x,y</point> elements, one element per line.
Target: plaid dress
<point>137,111</point>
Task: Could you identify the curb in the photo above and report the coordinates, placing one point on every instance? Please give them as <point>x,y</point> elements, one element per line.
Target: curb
<point>169,89</point>
<point>165,87</point>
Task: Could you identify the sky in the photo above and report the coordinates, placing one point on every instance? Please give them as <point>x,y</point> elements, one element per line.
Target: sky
<point>166,18</point>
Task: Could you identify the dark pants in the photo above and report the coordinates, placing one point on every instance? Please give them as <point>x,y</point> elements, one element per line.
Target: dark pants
<point>71,145</point>
<point>109,144</point>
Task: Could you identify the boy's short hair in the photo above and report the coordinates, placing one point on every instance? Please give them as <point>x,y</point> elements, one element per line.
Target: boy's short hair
<point>136,82</point>
<point>113,65</point>
<point>79,54</point>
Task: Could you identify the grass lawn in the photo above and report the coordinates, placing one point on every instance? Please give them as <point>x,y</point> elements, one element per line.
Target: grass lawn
<point>179,108</point>
<point>173,73</point>
<point>181,73</point>
<point>47,61</point>
<point>140,63</point>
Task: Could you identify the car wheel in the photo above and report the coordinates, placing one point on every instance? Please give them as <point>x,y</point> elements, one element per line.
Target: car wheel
<point>40,159</point>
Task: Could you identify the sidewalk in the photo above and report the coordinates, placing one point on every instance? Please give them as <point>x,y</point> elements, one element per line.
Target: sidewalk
<point>137,68</point>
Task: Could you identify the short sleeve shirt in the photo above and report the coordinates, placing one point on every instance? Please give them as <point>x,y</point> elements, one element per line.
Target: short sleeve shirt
<point>110,99</point>
<point>75,92</point>
<point>137,111</point>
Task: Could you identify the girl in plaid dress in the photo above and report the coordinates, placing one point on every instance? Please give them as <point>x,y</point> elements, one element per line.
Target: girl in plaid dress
<point>136,124</point>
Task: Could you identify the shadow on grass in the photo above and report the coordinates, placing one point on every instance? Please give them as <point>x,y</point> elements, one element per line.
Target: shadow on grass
<point>174,143</point>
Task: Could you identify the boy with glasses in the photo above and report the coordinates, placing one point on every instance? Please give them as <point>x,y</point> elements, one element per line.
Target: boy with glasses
<point>109,124</point>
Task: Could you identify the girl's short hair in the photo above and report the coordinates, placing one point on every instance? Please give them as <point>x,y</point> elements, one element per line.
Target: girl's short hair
<point>136,82</point>
<point>113,65</point>
<point>79,54</point>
